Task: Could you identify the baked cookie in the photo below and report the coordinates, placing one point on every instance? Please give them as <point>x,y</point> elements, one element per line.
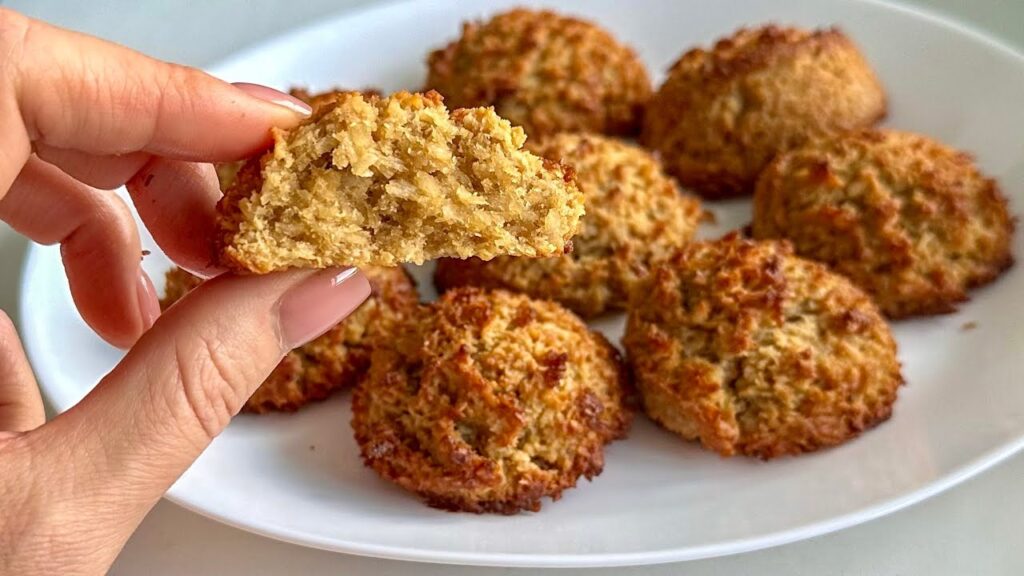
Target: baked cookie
<point>333,361</point>
<point>489,402</point>
<point>545,72</point>
<point>723,113</point>
<point>912,222</point>
<point>369,181</point>
<point>635,214</point>
<point>755,351</point>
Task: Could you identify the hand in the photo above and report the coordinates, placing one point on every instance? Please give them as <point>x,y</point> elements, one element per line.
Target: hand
<point>78,117</point>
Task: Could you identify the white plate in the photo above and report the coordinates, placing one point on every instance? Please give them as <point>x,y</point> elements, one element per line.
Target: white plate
<point>298,478</point>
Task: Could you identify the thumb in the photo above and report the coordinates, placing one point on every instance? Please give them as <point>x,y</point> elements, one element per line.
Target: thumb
<point>146,421</point>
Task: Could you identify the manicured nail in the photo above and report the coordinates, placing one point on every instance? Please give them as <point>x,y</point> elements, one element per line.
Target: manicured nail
<point>276,96</point>
<point>315,305</point>
<point>149,304</point>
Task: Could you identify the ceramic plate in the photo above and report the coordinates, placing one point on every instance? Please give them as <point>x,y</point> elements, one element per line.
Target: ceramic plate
<point>298,478</point>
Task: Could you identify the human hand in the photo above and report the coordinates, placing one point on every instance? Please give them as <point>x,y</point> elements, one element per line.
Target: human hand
<point>78,117</point>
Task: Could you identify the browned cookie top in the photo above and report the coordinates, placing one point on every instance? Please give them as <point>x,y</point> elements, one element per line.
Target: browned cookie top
<point>724,112</point>
<point>545,72</point>
<point>755,351</point>
<point>914,223</point>
<point>489,402</point>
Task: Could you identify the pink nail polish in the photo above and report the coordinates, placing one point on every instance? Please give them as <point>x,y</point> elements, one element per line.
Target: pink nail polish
<point>276,96</point>
<point>315,305</point>
<point>149,304</point>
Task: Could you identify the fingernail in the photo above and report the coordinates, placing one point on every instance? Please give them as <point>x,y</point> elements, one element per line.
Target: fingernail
<point>319,302</point>
<point>206,273</point>
<point>149,304</point>
<point>276,96</point>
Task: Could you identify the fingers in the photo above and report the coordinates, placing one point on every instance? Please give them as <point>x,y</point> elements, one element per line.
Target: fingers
<point>100,112</point>
<point>99,245</point>
<point>178,387</point>
<point>21,408</point>
<point>177,201</point>
<point>76,92</point>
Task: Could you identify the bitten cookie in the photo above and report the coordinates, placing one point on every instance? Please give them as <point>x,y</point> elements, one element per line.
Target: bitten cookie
<point>370,181</point>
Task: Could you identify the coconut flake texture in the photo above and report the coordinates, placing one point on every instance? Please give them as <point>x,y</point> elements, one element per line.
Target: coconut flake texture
<point>381,181</point>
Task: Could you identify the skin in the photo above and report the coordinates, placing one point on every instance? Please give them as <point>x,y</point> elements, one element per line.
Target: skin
<point>78,117</point>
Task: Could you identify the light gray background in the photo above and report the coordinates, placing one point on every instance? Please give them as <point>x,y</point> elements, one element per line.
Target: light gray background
<point>975,528</point>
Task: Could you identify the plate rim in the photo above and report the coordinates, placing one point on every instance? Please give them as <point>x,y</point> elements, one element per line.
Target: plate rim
<point>957,475</point>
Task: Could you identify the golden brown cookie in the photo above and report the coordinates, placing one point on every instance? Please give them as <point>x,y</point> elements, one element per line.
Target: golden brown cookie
<point>723,113</point>
<point>489,402</point>
<point>635,214</point>
<point>545,72</point>
<point>912,222</point>
<point>380,181</point>
<point>333,361</point>
<point>755,351</point>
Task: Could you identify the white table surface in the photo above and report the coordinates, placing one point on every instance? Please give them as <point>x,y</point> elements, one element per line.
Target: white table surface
<point>975,528</point>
